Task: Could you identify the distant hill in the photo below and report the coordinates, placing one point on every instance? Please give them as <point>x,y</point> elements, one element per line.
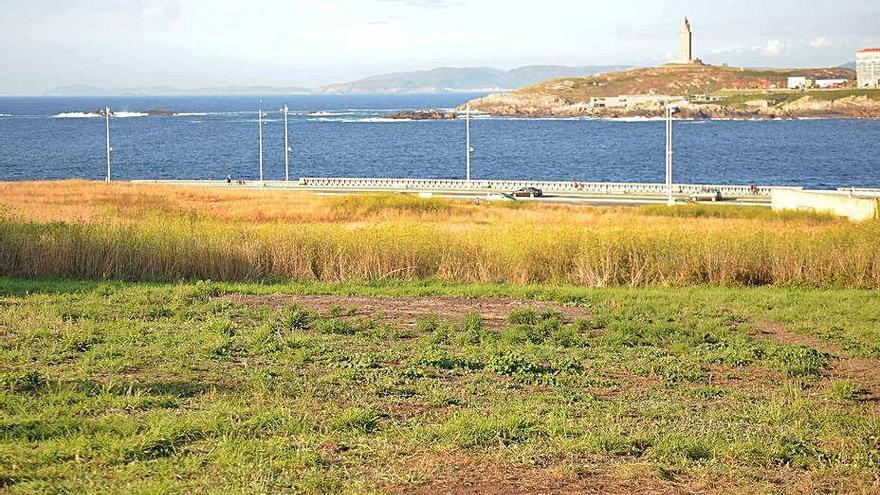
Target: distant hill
<point>678,80</point>
<point>452,79</point>
<point>80,90</point>
<point>850,65</point>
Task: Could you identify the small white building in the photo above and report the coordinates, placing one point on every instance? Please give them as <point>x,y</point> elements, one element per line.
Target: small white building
<point>799,82</point>
<point>830,83</point>
<point>868,67</point>
<point>629,101</point>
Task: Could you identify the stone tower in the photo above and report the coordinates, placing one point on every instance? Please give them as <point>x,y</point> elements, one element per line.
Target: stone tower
<point>686,43</point>
<point>686,46</point>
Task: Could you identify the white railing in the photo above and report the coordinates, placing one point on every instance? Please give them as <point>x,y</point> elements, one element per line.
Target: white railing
<point>571,187</point>
<point>861,191</point>
<point>404,185</point>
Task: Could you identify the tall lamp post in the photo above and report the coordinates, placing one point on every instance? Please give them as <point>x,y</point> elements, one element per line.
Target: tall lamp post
<point>107,135</point>
<point>467,124</point>
<point>669,154</point>
<point>285,111</point>
<point>260,120</point>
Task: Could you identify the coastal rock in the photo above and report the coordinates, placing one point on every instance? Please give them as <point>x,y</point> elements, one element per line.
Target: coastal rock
<point>850,106</point>
<point>524,105</point>
<point>421,115</point>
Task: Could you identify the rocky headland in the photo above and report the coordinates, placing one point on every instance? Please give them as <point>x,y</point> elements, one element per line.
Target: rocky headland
<point>699,92</point>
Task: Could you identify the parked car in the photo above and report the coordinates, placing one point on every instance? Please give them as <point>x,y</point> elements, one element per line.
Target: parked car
<point>528,192</point>
<point>706,195</point>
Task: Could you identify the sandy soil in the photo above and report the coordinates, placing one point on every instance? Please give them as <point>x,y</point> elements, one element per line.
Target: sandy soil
<point>864,371</point>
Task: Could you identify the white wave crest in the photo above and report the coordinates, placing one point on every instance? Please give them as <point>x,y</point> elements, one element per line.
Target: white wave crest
<point>329,114</point>
<point>633,119</point>
<point>193,114</point>
<point>77,115</point>
<point>367,120</point>
<point>381,120</point>
<point>125,115</point>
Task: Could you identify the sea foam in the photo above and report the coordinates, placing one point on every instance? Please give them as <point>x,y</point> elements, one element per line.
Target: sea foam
<point>329,114</point>
<point>77,115</point>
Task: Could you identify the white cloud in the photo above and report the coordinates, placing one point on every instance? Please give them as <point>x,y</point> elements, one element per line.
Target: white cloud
<point>821,42</point>
<point>773,48</point>
<point>730,49</point>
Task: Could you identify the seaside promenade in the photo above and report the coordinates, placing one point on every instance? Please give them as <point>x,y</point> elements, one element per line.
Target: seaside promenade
<point>570,192</point>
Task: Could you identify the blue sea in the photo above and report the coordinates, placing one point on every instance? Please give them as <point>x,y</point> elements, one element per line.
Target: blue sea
<point>347,136</point>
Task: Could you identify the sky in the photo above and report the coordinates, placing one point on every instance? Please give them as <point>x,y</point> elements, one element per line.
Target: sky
<point>202,43</point>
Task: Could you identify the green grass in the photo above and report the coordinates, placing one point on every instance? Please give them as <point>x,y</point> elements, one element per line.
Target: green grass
<point>166,388</point>
<point>738,100</point>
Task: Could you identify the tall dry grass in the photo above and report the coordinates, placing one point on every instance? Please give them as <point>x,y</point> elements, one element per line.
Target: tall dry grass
<point>89,230</point>
<point>669,253</point>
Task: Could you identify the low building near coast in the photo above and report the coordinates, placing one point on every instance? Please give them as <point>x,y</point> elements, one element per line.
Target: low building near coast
<point>799,82</point>
<point>831,83</point>
<point>630,101</point>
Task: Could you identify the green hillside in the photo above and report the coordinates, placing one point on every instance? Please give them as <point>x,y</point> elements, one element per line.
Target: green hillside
<point>679,80</point>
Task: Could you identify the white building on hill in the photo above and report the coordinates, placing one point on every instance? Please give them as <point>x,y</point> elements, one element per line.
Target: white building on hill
<point>868,67</point>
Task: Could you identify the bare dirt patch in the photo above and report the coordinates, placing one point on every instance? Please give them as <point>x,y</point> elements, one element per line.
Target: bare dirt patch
<point>408,310</point>
<point>864,371</point>
<point>460,475</point>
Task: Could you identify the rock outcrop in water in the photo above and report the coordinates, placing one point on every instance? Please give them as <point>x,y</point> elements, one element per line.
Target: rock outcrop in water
<point>421,115</point>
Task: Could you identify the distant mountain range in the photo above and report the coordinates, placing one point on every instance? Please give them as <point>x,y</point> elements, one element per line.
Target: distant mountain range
<point>457,80</point>
<point>442,80</point>
<point>172,91</point>
<point>850,65</point>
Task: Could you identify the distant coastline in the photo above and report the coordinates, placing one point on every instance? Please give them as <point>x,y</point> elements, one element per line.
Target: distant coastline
<point>435,81</point>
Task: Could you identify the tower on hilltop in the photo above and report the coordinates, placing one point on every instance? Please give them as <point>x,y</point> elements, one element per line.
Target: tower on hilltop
<point>686,45</point>
<point>686,42</point>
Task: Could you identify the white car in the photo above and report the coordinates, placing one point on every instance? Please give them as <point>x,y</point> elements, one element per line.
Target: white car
<point>706,195</point>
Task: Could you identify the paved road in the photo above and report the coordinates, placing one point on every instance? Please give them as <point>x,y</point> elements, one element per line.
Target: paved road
<point>472,195</point>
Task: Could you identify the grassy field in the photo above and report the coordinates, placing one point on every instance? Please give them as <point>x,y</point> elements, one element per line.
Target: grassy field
<point>93,231</point>
<point>391,344</point>
<point>434,388</point>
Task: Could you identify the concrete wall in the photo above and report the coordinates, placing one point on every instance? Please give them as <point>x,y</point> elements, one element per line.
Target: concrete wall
<point>834,202</point>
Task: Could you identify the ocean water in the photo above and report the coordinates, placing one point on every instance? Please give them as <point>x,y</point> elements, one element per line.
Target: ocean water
<point>346,136</point>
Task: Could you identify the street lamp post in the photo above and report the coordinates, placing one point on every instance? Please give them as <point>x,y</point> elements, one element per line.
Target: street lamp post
<point>260,120</point>
<point>467,124</point>
<point>286,147</point>
<point>669,154</point>
<point>107,135</point>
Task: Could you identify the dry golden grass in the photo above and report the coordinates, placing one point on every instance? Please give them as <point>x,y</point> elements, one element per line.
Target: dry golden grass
<point>90,201</point>
<point>145,232</point>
